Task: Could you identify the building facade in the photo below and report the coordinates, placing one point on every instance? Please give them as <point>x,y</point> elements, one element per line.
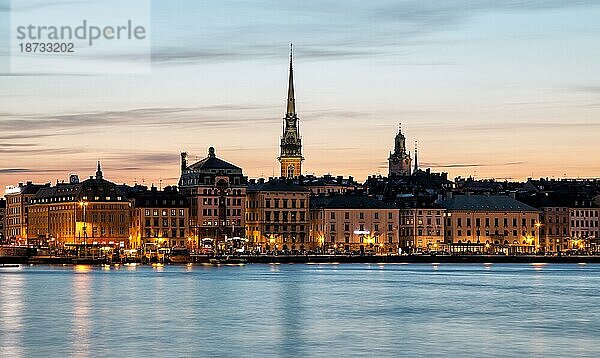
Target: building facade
<point>160,217</point>
<point>216,191</point>
<point>354,223</point>
<point>93,211</point>
<point>277,216</point>
<point>584,220</point>
<point>17,201</point>
<point>555,230</point>
<point>422,229</point>
<point>290,156</point>
<point>2,219</point>
<point>491,223</point>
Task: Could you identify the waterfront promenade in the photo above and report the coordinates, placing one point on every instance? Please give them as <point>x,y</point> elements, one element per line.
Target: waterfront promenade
<point>310,259</point>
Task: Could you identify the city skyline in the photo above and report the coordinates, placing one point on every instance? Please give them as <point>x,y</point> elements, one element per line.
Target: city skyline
<point>522,103</point>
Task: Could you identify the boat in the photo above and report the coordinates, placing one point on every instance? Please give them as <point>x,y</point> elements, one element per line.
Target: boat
<point>179,256</point>
<point>227,260</point>
<point>9,265</point>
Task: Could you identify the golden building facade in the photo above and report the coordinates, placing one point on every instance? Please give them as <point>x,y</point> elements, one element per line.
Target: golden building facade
<point>16,216</point>
<point>422,229</point>
<point>161,218</point>
<point>495,222</point>
<point>92,212</point>
<point>354,223</point>
<point>277,216</point>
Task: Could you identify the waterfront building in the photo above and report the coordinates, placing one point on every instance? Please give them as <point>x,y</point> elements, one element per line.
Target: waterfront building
<point>555,230</point>
<point>161,218</point>
<point>584,219</point>
<point>290,156</point>
<point>569,218</point>
<point>399,160</point>
<point>93,211</point>
<point>277,215</point>
<point>216,191</point>
<point>2,218</point>
<point>491,223</point>
<point>354,223</point>
<point>17,200</point>
<point>422,229</point>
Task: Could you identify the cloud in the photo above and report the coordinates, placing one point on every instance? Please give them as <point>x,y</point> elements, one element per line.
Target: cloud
<point>141,117</point>
<point>41,151</point>
<point>471,165</point>
<point>29,171</point>
<point>515,126</point>
<point>11,145</point>
<point>139,161</point>
<point>23,136</point>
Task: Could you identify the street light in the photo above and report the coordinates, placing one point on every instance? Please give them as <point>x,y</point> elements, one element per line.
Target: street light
<point>84,205</point>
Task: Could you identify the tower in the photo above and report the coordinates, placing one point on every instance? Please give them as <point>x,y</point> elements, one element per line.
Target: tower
<point>290,155</point>
<point>416,168</point>
<point>399,160</point>
<point>99,172</point>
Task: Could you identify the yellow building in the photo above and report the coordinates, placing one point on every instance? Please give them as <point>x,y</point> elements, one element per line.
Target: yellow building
<point>277,216</point>
<point>92,211</point>
<point>422,229</point>
<point>16,217</point>
<point>354,223</point>
<point>491,223</point>
<point>161,217</point>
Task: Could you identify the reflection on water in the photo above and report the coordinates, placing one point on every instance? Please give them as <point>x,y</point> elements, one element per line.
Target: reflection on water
<point>300,310</point>
<point>11,313</point>
<point>80,332</point>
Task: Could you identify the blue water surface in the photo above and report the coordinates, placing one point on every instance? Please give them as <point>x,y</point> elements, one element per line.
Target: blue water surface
<point>322,310</point>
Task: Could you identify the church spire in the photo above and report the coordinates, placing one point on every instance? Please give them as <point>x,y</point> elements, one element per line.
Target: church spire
<point>99,171</point>
<point>416,159</point>
<point>291,101</point>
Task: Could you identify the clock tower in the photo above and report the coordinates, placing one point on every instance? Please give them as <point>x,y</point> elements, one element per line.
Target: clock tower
<point>399,160</point>
<point>290,155</point>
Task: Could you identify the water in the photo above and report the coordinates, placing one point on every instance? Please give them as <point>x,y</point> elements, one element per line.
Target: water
<point>300,310</point>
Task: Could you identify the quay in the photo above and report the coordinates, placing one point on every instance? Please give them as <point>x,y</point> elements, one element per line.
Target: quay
<point>312,259</point>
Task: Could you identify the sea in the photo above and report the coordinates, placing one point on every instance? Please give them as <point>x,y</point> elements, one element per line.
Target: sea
<point>299,310</point>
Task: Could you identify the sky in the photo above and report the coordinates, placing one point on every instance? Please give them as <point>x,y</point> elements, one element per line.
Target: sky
<point>489,88</point>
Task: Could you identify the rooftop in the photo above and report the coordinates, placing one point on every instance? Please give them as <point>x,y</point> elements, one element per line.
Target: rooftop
<point>348,202</point>
<point>486,203</point>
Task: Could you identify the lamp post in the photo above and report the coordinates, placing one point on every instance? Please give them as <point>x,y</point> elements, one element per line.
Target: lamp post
<point>84,205</point>
<point>537,227</point>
